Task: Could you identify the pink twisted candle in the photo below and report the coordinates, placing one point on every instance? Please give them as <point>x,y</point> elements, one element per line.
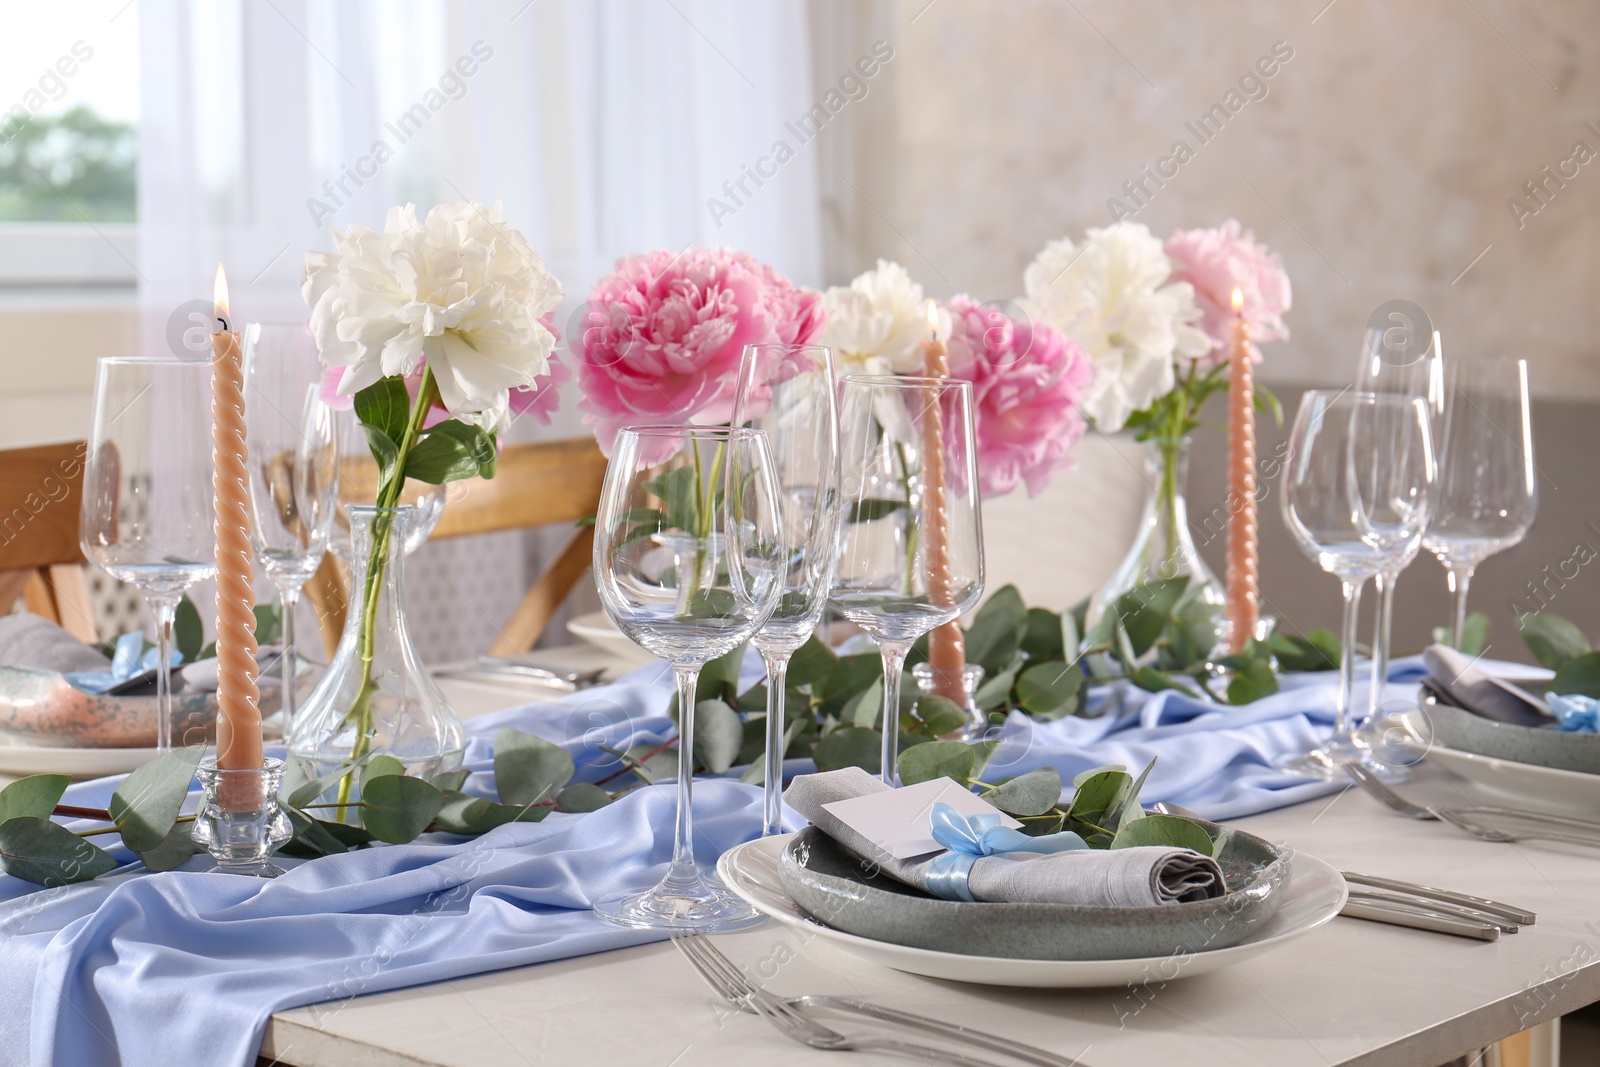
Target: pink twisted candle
<point>238,713</point>
<point>1243,554</point>
<point>947,653</point>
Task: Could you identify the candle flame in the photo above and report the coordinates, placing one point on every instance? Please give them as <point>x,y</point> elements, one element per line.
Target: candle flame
<point>1238,299</point>
<point>933,319</point>
<point>219,295</point>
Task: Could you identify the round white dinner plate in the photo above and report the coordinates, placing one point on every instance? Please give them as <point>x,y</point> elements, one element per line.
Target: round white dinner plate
<point>1525,784</point>
<point>21,760</point>
<point>596,628</point>
<point>1315,894</point>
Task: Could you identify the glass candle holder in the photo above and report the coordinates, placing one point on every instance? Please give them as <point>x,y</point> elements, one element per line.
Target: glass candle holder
<point>240,821</point>
<point>971,677</point>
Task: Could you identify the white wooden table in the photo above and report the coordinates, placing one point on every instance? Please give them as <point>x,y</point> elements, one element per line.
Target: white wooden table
<point>1352,992</point>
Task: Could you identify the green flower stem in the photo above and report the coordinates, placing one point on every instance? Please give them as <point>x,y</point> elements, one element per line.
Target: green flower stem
<point>372,587</point>
<point>913,528</point>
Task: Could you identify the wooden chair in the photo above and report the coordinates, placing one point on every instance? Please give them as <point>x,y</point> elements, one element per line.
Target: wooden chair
<point>40,491</point>
<point>537,484</point>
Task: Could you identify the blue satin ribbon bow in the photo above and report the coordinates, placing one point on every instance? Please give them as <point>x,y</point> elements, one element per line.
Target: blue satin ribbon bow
<point>131,658</point>
<point>970,837</point>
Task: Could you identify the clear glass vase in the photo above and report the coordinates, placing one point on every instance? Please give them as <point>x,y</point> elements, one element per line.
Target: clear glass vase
<point>1164,547</point>
<point>376,697</point>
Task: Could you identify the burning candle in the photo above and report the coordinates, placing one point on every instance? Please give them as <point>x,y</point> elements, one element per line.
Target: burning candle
<point>238,713</point>
<point>947,654</point>
<point>1243,555</point>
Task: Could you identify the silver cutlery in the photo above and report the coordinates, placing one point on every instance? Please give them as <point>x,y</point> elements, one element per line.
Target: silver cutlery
<point>733,986</point>
<point>1474,819</point>
<point>1433,907</point>
<point>1481,904</point>
<point>1396,914</point>
<point>1166,807</point>
<point>569,680</point>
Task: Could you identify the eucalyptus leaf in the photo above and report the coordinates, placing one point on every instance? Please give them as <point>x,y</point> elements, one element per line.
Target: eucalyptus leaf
<point>1033,793</point>
<point>269,624</point>
<point>188,632</point>
<point>995,690</point>
<point>1153,681</point>
<point>936,715</point>
<point>311,837</point>
<point>36,795</point>
<point>1252,682</point>
<point>932,759</point>
<point>1129,809</point>
<point>718,733</point>
<point>397,807</point>
<point>1042,637</point>
<point>450,781</point>
<point>871,509</point>
<point>812,663</point>
<point>1049,689</point>
<point>1474,633</point>
<point>460,814</point>
<point>582,796</point>
<point>995,636</point>
<point>1579,677</point>
<point>173,851</point>
<point>529,769</point>
<point>1166,830</point>
<point>1554,641</point>
<point>1317,651</point>
<point>1145,609</point>
<point>147,803</point>
<point>853,746</point>
<point>380,765</point>
<point>48,854</point>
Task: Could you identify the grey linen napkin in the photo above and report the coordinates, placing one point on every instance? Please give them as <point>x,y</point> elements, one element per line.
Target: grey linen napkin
<point>31,641</point>
<point>1475,689</point>
<point>1120,878</point>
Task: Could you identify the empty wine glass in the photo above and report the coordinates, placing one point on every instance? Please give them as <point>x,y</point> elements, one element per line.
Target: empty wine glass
<point>1352,507</point>
<point>1396,360</point>
<point>788,391</point>
<point>147,508</point>
<point>1487,495</point>
<point>911,544</point>
<point>294,468</point>
<point>689,563</point>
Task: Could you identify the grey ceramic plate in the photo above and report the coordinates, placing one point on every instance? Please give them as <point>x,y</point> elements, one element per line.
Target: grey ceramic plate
<point>1540,746</point>
<point>828,882</point>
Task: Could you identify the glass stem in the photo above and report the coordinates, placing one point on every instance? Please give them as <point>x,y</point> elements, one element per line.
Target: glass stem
<point>1380,644</point>
<point>894,665</point>
<point>777,688</point>
<point>164,606</point>
<point>683,873</point>
<point>289,597</point>
<point>1347,658</point>
<point>1459,577</point>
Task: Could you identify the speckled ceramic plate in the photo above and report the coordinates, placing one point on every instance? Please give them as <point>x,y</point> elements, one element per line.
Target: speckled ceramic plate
<point>1538,746</point>
<point>1313,894</point>
<point>829,882</point>
<point>1523,785</point>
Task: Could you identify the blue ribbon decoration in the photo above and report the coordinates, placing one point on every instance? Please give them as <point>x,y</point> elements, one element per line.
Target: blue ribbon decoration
<point>970,837</point>
<point>1575,713</point>
<point>129,659</point>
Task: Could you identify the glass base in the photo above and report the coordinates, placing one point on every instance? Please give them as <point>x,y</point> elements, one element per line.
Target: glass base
<point>1327,762</point>
<point>249,870</point>
<point>704,904</point>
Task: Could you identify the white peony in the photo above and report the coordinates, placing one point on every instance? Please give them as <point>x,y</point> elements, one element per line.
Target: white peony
<point>1111,294</point>
<point>459,288</point>
<point>878,324</point>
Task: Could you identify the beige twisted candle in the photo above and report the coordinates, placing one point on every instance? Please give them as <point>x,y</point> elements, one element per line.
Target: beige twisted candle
<point>238,711</point>
<point>1243,532</point>
<point>947,653</point>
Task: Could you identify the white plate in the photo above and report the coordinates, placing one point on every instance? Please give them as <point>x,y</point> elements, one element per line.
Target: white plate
<point>596,628</point>
<point>1315,894</point>
<point>20,760</point>
<point>1544,788</point>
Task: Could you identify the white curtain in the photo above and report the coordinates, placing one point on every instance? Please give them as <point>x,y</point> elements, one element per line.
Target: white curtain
<point>603,127</point>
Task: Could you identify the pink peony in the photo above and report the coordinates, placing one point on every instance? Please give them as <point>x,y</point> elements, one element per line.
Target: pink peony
<point>1027,381</point>
<point>1215,262</point>
<point>541,399</point>
<point>664,334</point>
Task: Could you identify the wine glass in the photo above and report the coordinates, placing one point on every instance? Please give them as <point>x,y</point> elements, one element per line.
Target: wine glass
<point>1487,493</point>
<point>911,544</point>
<point>800,416</point>
<point>147,510</point>
<point>294,468</point>
<point>1341,476</point>
<point>1397,361</point>
<point>689,563</point>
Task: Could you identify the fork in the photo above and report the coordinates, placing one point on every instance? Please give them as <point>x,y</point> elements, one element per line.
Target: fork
<point>1463,818</point>
<point>731,984</point>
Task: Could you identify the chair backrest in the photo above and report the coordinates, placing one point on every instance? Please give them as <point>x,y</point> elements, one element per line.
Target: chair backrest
<point>41,488</point>
<point>535,484</point>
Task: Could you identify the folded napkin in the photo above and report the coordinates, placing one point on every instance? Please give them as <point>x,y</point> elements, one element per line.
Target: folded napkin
<point>1122,878</point>
<point>31,641</point>
<point>1474,689</point>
